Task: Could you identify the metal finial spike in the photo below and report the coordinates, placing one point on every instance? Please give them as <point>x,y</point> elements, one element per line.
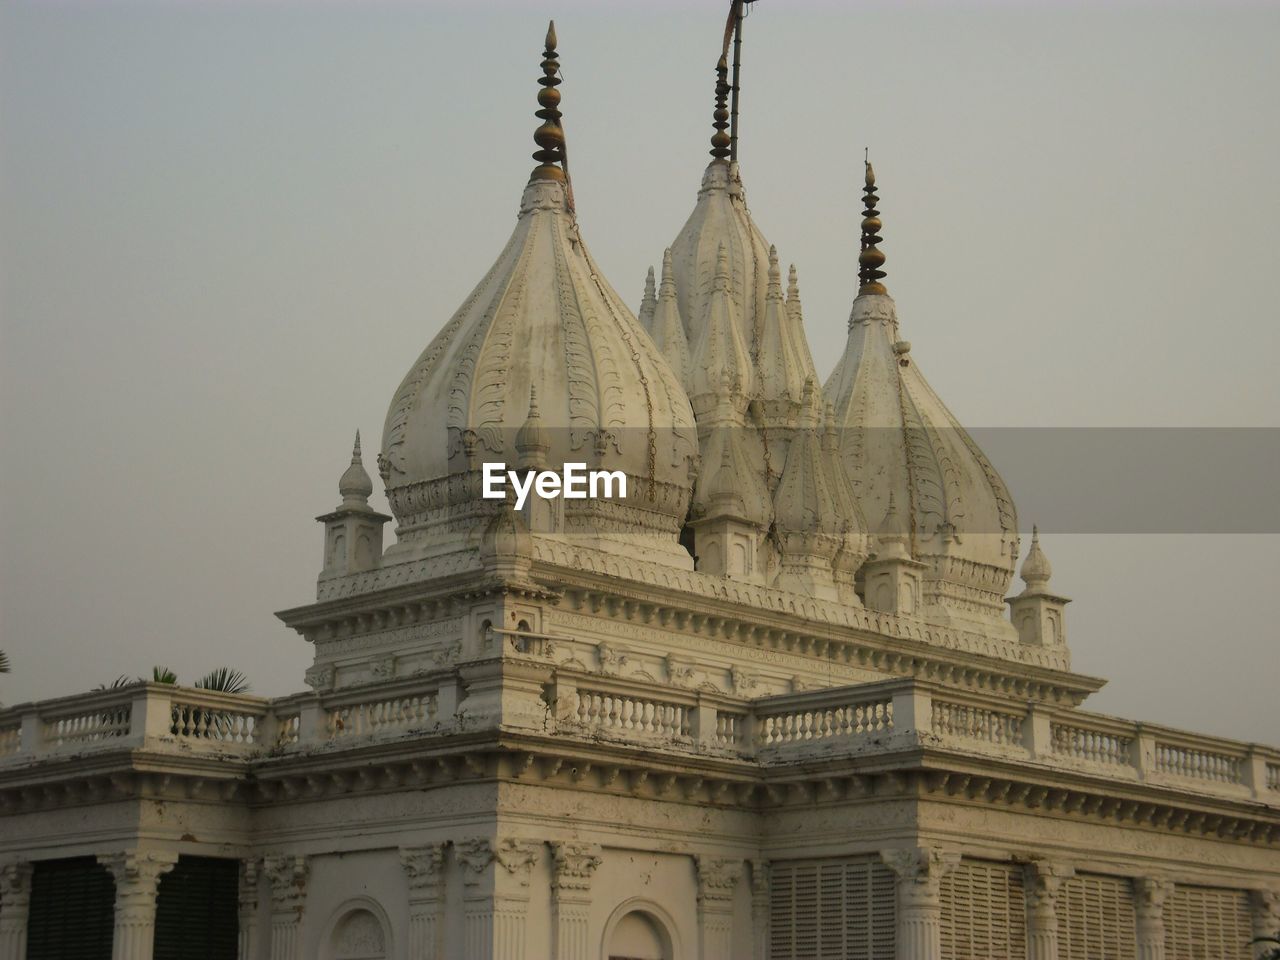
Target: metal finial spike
<point>720,139</point>
<point>871,258</point>
<point>550,136</point>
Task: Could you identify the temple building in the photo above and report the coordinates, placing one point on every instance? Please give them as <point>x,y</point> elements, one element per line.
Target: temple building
<point>780,700</point>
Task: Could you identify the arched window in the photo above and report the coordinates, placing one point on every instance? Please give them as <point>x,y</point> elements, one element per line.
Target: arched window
<point>638,935</point>
<point>358,936</point>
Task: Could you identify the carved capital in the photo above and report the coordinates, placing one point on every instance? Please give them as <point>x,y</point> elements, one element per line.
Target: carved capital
<point>1149,894</point>
<point>1265,904</point>
<point>474,856</point>
<point>15,886</point>
<point>250,874</point>
<point>514,856</point>
<point>138,871</point>
<point>1044,880</point>
<point>760,879</point>
<point>288,876</point>
<point>423,866</point>
<point>919,869</point>
<point>717,877</point>
<point>574,864</point>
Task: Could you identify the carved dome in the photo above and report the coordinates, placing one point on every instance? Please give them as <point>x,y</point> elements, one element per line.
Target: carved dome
<point>543,320</point>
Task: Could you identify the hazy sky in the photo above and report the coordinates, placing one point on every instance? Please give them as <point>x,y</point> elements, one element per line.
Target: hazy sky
<point>227,229</point>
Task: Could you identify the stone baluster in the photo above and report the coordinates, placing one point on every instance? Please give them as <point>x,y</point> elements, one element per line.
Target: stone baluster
<point>495,896</point>
<point>919,872</point>
<point>717,879</point>
<point>1264,907</point>
<point>760,909</point>
<point>573,865</point>
<point>1150,893</point>
<point>288,876</point>
<point>15,904</point>
<point>250,871</point>
<point>137,875</point>
<point>1044,881</point>
<point>424,868</point>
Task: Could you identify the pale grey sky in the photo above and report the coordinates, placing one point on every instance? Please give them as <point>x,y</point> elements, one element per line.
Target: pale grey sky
<point>226,230</point>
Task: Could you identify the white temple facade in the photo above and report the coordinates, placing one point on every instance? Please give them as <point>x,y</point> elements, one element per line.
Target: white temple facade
<point>778,702</point>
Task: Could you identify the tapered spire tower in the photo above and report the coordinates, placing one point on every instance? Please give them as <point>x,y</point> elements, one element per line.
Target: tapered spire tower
<point>871,259</point>
<point>550,136</point>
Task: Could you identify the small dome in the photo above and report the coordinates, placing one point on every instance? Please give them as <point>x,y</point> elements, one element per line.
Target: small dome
<point>1036,569</point>
<point>356,483</point>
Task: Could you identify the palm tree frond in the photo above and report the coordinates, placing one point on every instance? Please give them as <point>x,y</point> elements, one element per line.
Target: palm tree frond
<point>224,680</point>
<point>4,662</point>
<point>163,675</point>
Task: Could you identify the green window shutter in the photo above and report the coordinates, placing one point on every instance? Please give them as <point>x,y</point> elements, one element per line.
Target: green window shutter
<point>72,910</point>
<point>197,910</point>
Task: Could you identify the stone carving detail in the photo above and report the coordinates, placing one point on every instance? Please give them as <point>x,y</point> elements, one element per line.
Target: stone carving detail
<point>320,677</point>
<point>920,869</point>
<point>288,876</point>
<point>717,877</point>
<point>611,660</point>
<point>1044,881</point>
<point>680,672</point>
<point>361,935</point>
<point>1150,894</point>
<point>384,668</point>
<point>513,855</point>
<point>574,864</point>
<point>744,682</point>
<point>423,866</point>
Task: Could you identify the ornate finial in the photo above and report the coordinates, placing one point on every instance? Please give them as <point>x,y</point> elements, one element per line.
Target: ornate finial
<point>793,285</point>
<point>871,259</point>
<point>649,302</point>
<point>355,450</point>
<point>550,136</point>
<point>650,289</point>
<point>720,139</point>
<point>1036,570</point>
<point>532,441</point>
<point>533,402</point>
<point>355,485</point>
<point>775,275</point>
<point>668,288</point>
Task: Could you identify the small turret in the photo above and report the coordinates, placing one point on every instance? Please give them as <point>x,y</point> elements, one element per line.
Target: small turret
<point>891,578</point>
<point>668,326</point>
<point>725,538</point>
<point>1038,614</point>
<point>352,532</point>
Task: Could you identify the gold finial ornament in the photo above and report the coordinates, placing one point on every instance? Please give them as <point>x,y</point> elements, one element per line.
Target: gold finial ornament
<point>720,139</point>
<point>550,136</point>
<point>871,259</point>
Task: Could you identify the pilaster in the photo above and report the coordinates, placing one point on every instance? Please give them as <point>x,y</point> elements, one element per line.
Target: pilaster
<point>573,865</point>
<point>495,896</point>
<point>1044,881</point>
<point>15,905</point>
<point>717,879</point>
<point>288,876</point>
<point>760,909</point>
<point>919,872</point>
<point>1150,894</point>
<point>250,873</point>
<point>137,875</point>
<point>424,868</point>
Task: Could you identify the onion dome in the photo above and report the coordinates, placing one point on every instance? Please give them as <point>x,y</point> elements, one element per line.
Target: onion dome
<point>667,328</point>
<point>355,486</point>
<point>901,445</point>
<point>542,320</point>
<point>1036,569</point>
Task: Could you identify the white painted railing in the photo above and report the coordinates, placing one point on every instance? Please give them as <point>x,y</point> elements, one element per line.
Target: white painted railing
<point>814,717</point>
<point>966,721</point>
<point>1077,742</point>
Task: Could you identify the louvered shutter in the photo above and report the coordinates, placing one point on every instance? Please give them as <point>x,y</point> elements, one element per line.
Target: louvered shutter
<point>1207,923</point>
<point>197,910</point>
<point>72,910</point>
<point>983,912</point>
<point>1096,919</point>
<point>832,910</point>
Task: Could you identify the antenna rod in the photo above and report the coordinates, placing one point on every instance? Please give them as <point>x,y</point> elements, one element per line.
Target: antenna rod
<point>737,62</point>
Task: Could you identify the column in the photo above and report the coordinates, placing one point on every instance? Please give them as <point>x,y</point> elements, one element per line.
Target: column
<point>717,879</point>
<point>288,878</point>
<point>495,896</point>
<point>760,909</point>
<point>424,868</point>
<point>15,903</point>
<point>573,865</point>
<point>1044,880</point>
<point>137,875</point>
<point>1149,894</point>
<point>250,871</point>
<point>1264,906</point>
<point>919,871</point>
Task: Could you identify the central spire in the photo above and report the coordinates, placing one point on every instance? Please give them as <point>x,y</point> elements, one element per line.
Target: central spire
<point>871,259</point>
<point>720,140</point>
<point>550,136</point>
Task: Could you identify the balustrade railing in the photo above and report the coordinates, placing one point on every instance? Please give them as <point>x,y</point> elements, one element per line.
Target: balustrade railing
<point>574,703</point>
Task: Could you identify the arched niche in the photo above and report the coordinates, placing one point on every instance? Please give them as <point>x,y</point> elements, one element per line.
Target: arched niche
<point>640,930</point>
<point>358,930</point>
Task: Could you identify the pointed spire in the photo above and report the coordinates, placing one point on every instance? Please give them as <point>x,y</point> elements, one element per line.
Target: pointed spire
<point>1036,569</point>
<point>720,140</point>
<point>532,442</point>
<point>550,136</point>
<point>793,288</point>
<point>775,275</point>
<point>355,485</point>
<point>667,327</point>
<point>891,537</point>
<point>871,259</point>
<point>649,302</point>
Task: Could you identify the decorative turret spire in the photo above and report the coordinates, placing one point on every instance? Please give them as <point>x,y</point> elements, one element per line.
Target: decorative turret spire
<point>666,325</point>
<point>355,485</point>
<point>550,136</point>
<point>892,537</point>
<point>720,139</point>
<point>871,259</point>
<point>793,291</point>
<point>532,442</point>
<point>1036,569</point>
<point>649,302</point>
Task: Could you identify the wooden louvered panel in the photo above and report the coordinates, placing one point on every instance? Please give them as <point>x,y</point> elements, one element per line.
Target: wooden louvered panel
<point>983,912</point>
<point>1096,919</point>
<point>1207,923</point>
<point>832,910</point>
<point>197,910</point>
<point>72,910</point>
